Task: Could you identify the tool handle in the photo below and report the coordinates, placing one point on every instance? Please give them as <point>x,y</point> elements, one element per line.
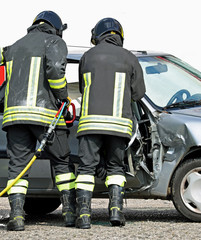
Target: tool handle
<point>74,114</point>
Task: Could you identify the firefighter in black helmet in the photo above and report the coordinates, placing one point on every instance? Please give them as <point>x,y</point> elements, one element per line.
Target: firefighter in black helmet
<point>35,67</point>
<point>110,77</point>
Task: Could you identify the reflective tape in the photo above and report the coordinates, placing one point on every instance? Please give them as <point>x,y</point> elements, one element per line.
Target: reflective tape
<point>36,114</point>
<point>85,182</point>
<point>85,98</point>
<point>115,179</point>
<point>9,66</point>
<point>84,186</point>
<point>33,81</point>
<point>85,178</point>
<point>120,79</point>
<point>66,186</point>
<point>57,83</point>
<point>64,177</point>
<point>1,56</point>
<point>20,186</point>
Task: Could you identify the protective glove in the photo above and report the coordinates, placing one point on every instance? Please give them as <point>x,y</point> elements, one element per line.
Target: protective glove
<point>66,114</point>
<point>67,100</point>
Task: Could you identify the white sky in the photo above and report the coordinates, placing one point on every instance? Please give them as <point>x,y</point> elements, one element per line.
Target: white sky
<point>171,26</point>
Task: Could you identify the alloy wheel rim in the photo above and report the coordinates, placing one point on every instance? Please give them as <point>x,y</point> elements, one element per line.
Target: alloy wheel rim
<point>190,190</point>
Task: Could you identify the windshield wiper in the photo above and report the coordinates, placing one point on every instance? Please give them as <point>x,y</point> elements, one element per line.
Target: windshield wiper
<point>183,104</point>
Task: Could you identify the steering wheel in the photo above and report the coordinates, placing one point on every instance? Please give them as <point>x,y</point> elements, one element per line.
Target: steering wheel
<point>179,96</point>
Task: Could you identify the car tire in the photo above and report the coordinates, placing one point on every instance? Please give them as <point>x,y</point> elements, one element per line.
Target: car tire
<point>186,189</point>
<point>40,206</point>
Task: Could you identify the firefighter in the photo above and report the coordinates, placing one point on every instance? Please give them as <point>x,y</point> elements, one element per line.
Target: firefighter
<point>110,77</point>
<point>35,67</point>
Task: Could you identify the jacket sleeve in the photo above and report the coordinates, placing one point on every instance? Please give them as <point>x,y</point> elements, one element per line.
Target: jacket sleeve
<point>1,56</point>
<point>56,61</point>
<point>81,75</point>
<point>137,82</point>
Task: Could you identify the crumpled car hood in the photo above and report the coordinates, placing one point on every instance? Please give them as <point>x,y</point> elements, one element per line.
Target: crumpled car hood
<point>180,127</point>
<point>195,112</point>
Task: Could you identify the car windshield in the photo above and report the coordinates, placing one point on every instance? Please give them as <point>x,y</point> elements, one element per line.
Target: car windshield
<point>170,81</point>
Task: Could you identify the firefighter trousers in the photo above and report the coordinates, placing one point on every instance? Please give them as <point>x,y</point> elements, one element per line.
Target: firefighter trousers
<point>21,146</point>
<point>112,148</point>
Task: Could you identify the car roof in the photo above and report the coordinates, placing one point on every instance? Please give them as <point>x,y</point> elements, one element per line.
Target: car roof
<point>76,52</point>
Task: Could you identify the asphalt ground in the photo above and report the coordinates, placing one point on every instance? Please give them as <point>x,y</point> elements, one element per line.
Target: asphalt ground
<point>145,219</point>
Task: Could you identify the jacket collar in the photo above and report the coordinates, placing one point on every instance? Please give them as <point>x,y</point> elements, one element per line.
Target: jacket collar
<point>114,39</point>
<point>42,28</point>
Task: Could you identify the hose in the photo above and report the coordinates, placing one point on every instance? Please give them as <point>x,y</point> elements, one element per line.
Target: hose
<point>39,150</point>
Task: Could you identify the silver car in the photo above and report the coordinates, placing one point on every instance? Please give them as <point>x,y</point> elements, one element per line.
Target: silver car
<point>163,158</point>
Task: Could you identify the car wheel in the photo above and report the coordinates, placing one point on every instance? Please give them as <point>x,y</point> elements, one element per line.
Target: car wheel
<point>40,206</point>
<point>186,189</point>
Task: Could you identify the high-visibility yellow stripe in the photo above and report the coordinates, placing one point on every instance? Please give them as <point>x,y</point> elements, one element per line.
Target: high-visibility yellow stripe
<point>35,109</point>
<point>1,56</point>
<point>20,186</point>
<point>106,119</point>
<point>33,81</point>
<point>85,178</point>
<point>85,214</point>
<point>85,99</point>
<point>57,83</point>
<point>37,114</point>
<point>105,127</point>
<point>9,66</point>
<point>64,177</point>
<point>31,117</point>
<point>84,186</point>
<point>115,179</point>
<point>119,93</point>
<point>66,186</point>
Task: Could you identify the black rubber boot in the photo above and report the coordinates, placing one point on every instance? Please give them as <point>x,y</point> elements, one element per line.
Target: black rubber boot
<point>68,200</point>
<point>83,209</point>
<point>116,195</point>
<point>16,221</point>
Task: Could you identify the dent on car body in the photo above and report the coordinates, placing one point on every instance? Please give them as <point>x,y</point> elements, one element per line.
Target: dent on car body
<point>178,133</point>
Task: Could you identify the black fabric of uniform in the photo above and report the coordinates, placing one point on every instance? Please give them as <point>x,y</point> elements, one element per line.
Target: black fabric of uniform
<point>103,61</point>
<point>21,147</point>
<point>90,149</point>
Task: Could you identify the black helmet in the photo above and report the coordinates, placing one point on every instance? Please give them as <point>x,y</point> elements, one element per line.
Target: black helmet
<point>106,25</point>
<point>53,19</point>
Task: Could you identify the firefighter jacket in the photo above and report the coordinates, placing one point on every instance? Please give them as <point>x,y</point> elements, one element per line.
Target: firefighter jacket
<point>109,77</point>
<point>35,75</point>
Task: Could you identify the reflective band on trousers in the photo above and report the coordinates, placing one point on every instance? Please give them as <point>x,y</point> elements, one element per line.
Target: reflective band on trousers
<point>20,186</point>
<point>66,186</point>
<point>85,182</point>
<point>65,181</point>
<point>85,178</point>
<point>64,177</point>
<point>84,186</point>
<point>115,179</point>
